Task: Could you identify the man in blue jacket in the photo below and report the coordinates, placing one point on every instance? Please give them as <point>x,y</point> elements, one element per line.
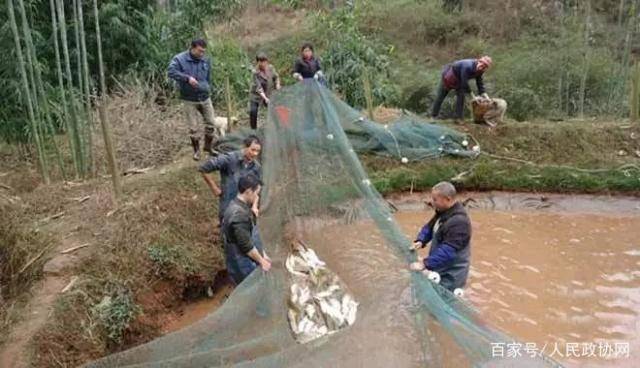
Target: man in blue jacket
<point>232,166</point>
<point>456,77</point>
<point>191,71</point>
<point>449,232</point>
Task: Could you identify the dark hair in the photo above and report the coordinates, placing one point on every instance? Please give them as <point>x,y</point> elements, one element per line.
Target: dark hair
<point>262,57</point>
<point>249,181</point>
<point>199,42</point>
<point>251,139</point>
<point>306,45</point>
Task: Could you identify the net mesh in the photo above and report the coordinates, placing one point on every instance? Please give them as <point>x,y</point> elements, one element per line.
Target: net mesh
<point>407,137</point>
<point>316,190</point>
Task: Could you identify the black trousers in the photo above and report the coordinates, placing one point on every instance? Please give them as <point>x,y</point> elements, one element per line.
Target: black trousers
<point>442,94</point>
<point>253,114</point>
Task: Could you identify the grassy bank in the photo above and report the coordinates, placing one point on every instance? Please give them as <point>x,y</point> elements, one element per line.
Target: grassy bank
<point>576,156</point>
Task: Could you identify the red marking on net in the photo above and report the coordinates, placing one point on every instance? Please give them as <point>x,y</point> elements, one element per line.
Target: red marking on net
<point>283,115</point>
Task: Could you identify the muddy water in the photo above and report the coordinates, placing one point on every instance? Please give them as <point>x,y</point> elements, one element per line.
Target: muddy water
<point>384,334</point>
<point>550,278</point>
<point>562,273</point>
<point>552,271</point>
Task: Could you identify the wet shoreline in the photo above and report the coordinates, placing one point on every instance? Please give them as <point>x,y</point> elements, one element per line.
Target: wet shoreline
<point>516,201</point>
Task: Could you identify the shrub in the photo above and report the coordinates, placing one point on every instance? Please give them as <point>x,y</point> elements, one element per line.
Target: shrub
<point>169,259</point>
<point>540,78</point>
<point>350,55</point>
<point>115,312</point>
<point>229,61</point>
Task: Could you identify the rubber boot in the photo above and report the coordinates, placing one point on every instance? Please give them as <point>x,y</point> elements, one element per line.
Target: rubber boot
<point>195,142</point>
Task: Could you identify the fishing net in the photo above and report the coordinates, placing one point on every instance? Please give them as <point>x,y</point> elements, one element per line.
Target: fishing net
<point>408,137</point>
<point>316,191</point>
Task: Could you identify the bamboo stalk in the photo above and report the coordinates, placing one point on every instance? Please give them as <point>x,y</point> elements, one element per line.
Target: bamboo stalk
<point>583,81</point>
<point>76,36</point>
<point>227,87</point>
<point>626,56</point>
<point>368,96</point>
<point>634,103</point>
<point>67,64</point>
<point>106,130</point>
<point>31,66</point>
<point>39,89</point>
<point>63,93</point>
<point>27,92</point>
<point>620,12</point>
<point>86,92</point>
<point>82,114</point>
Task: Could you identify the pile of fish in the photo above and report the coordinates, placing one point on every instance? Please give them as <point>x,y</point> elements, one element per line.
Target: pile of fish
<point>319,304</point>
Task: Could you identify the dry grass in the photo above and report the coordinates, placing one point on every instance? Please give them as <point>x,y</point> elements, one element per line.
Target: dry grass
<point>382,114</point>
<point>253,29</point>
<point>146,133</point>
<point>162,209</point>
<point>17,174</point>
<point>22,255</point>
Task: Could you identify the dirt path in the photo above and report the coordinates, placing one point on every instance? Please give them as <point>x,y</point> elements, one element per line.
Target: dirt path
<point>14,354</point>
<point>76,231</point>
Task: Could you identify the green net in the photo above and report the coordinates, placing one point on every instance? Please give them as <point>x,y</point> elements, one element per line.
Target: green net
<point>316,190</point>
<point>408,137</point>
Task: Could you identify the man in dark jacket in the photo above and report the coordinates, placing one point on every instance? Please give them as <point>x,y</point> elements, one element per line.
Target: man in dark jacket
<point>456,77</point>
<point>242,255</point>
<point>232,166</point>
<point>191,70</point>
<point>449,232</point>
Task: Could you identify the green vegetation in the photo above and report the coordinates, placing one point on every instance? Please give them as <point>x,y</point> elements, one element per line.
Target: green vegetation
<point>551,63</point>
<point>587,157</point>
<point>168,259</point>
<point>560,61</point>
<point>138,39</point>
<point>115,313</point>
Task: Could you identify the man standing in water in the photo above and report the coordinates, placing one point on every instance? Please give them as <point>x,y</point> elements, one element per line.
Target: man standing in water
<point>191,70</point>
<point>456,77</point>
<point>232,167</point>
<point>242,255</point>
<point>449,232</point>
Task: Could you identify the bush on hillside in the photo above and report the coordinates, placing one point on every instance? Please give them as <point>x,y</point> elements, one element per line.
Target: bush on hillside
<point>350,55</point>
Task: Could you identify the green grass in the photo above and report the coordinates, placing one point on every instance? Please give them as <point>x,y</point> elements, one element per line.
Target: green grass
<point>560,157</point>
